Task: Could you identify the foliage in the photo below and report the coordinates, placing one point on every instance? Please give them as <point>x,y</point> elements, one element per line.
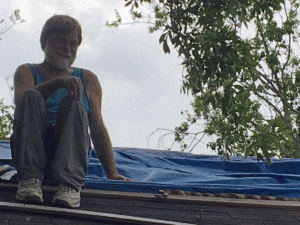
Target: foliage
<point>6,116</point>
<point>15,18</point>
<point>242,68</point>
<point>6,120</point>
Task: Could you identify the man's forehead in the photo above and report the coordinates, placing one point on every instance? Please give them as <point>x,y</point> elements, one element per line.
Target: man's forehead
<point>72,36</point>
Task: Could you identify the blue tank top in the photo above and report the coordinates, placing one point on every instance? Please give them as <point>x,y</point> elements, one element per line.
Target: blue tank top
<point>54,100</point>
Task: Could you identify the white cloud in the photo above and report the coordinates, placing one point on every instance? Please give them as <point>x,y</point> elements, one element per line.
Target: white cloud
<point>120,91</point>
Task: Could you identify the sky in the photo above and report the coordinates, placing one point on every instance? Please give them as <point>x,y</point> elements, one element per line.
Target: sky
<point>140,83</point>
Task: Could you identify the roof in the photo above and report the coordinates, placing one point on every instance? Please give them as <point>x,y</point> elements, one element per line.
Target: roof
<point>179,203</point>
<point>112,207</point>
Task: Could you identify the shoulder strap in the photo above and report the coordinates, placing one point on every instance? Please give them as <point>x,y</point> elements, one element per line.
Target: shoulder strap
<point>79,73</point>
<point>36,74</point>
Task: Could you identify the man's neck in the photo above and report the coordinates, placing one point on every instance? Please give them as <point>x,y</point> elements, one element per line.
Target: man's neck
<point>50,70</point>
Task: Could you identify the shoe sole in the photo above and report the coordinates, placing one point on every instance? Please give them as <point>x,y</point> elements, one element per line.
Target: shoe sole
<point>59,202</point>
<point>30,199</point>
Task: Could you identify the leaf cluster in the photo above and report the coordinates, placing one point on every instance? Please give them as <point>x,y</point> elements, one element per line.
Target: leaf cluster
<point>6,120</point>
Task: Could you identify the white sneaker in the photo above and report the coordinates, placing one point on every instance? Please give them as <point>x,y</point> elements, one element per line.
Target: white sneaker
<point>67,197</point>
<point>30,191</point>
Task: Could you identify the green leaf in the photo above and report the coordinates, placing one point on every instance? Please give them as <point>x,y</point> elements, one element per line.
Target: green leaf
<point>239,87</point>
<point>166,47</point>
<point>162,38</point>
<point>128,3</point>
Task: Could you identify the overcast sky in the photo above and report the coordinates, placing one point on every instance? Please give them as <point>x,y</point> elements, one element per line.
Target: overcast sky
<point>141,85</point>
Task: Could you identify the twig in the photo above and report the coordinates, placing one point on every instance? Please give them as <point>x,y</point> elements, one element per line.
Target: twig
<point>269,103</point>
<point>160,140</point>
<point>197,142</point>
<point>273,88</point>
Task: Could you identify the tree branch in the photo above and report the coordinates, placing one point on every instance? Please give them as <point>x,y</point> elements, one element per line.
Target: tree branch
<point>160,140</point>
<point>5,29</point>
<point>289,46</point>
<point>197,141</point>
<point>273,88</point>
<point>266,45</point>
<point>269,103</point>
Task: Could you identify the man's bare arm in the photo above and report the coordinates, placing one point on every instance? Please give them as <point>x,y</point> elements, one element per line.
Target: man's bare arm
<point>23,81</point>
<point>103,147</point>
<point>99,134</point>
<point>72,84</point>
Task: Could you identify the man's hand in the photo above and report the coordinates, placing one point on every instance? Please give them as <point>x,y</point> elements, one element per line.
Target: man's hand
<point>118,177</point>
<point>73,86</point>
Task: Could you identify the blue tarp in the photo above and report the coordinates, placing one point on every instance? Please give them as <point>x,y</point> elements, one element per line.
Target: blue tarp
<point>154,170</point>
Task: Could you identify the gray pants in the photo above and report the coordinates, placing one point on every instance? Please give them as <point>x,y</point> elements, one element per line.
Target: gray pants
<point>59,151</point>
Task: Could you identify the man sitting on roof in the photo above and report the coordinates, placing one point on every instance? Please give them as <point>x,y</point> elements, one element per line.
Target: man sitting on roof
<point>55,106</point>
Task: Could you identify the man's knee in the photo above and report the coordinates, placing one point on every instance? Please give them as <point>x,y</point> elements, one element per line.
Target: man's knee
<point>30,96</point>
<point>73,109</point>
<point>31,93</point>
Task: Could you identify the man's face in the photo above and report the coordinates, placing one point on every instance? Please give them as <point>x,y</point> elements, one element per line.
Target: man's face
<point>60,50</point>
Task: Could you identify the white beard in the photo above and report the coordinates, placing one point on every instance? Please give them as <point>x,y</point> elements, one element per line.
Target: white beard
<point>57,61</point>
<point>61,62</point>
